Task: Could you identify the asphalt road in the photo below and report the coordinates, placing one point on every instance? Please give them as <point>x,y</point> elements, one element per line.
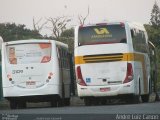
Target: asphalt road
<point>112,112</point>
<point>142,108</point>
<point>77,111</point>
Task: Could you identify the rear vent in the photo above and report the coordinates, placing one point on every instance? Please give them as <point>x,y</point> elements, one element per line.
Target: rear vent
<point>103,58</point>
<point>114,82</point>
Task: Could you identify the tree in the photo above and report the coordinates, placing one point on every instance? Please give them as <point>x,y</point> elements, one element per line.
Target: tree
<point>69,33</point>
<point>36,26</point>
<point>67,36</point>
<point>11,31</point>
<point>153,34</point>
<point>58,25</point>
<point>155,16</point>
<point>153,31</point>
<point>83,19</point>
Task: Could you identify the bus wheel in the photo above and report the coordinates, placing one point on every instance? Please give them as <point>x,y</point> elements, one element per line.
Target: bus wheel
<point>60,102</point>
<point>13,104</point>
<point>87,102</point>
<point>133,99</point>
<point>67,102</point>
<point>145,98</point>
<point>137,98</point>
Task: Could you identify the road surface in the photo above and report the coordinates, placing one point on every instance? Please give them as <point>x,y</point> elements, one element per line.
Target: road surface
<point>142,111</point>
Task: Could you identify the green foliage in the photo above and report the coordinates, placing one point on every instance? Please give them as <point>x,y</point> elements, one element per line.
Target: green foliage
<point>153,31</point>
<point>153,34</point>
<point>158,66</point>
<point>67,37</point>
<point>11,31</point>
<point>155,16</point>
<point>68,33</point>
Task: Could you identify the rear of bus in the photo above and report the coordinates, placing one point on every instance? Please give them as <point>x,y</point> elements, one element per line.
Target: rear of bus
<point>101,62</point>
<point>30,70</point>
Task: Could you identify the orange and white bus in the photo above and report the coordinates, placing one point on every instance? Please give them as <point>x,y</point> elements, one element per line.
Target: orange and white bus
<point>112,61</point>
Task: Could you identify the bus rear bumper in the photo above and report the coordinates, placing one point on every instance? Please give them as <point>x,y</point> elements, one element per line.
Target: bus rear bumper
<point>15,91</point>
<point>110,90</point>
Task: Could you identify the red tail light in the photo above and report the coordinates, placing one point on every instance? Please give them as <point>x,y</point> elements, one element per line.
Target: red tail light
<point>129,75</point>
<point>122,24</point>
<point>80,78</point>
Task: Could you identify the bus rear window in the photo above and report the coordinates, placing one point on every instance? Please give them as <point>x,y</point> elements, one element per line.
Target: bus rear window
<point>29,53</point>
<point>104,34</point>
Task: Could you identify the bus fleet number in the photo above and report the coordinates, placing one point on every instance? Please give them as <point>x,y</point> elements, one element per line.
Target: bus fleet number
<point>17,71</point>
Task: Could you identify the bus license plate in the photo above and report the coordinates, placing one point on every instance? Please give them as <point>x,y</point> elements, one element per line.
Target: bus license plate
<point>104,89</point>
<point>28,83</point>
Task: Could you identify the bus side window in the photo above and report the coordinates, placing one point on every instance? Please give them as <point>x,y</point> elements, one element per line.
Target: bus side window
<point>132,33</point>
<point>139,41</point>
<point>58,54</point>
<point>60,57</point>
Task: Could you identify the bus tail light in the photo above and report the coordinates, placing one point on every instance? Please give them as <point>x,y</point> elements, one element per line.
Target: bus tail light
<point>129,74</point>
<point>122,24</point>
<point>80,78</point>
<point>9,77</point>
<point>50,75</point>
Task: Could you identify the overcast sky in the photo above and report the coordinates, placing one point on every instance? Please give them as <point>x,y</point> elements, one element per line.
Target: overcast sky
<point>23,11</point>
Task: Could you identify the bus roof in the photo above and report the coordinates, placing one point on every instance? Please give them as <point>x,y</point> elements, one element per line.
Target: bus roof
<point>131,24</point>
<point>37,41</point>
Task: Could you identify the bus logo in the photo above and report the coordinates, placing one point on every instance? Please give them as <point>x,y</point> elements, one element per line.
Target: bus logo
<point>101,31</point>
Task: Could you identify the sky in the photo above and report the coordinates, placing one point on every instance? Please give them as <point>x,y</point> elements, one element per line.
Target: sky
<point>23,11</point>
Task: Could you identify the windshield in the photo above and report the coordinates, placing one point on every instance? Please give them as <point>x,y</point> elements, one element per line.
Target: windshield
<point>29,53</point>
<point>104,34</point>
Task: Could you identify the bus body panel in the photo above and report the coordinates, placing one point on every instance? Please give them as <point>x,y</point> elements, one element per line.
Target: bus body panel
<point>100,91</point>
<point>105,68</point>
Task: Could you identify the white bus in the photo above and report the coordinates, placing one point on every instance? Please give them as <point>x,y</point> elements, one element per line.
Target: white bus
<point>1,93</point>
<point>36,71</point>
<point>112,61</point>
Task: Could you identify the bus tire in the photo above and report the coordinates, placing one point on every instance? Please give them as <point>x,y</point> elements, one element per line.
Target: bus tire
<point>67,102</point>
<point>60,102</point>
<point>145,98</point>
<point>137,98</point>
<point>13,104</point>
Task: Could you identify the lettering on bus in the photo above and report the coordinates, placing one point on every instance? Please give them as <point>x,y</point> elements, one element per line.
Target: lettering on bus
<point>101,31</point>
<point>17,71</point>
